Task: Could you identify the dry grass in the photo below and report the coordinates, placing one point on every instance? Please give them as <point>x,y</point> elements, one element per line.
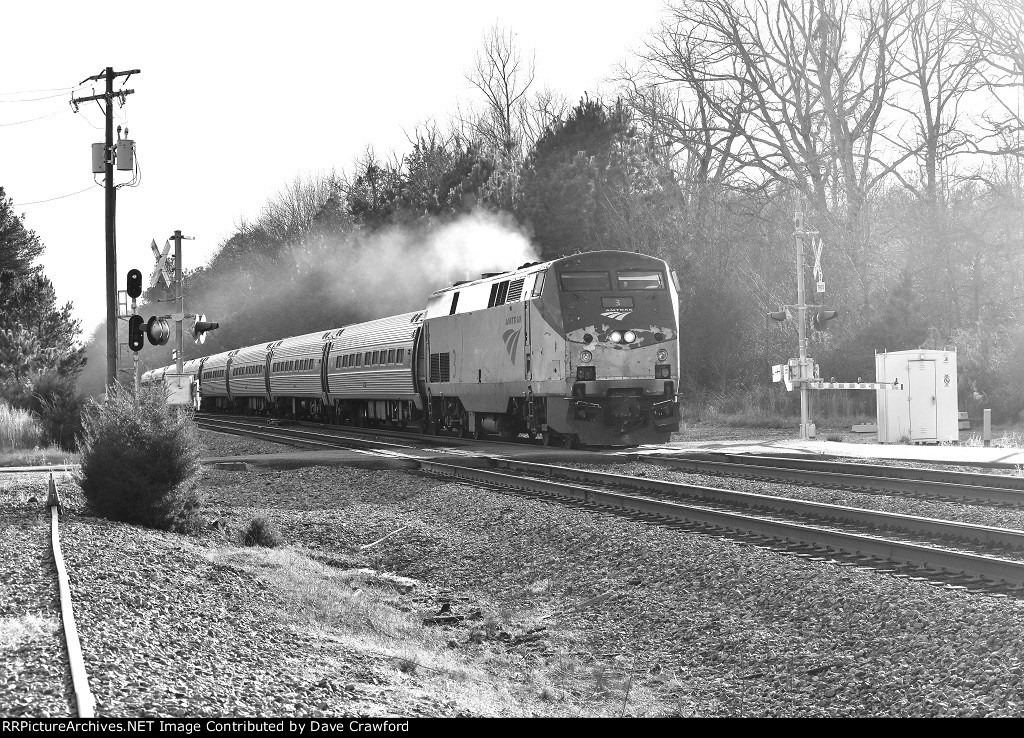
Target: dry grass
<point>51,456</point>
<point>362,613</point>
<point>773,407</point>
<point>18,429</point>
<point>1010,438</point>
<point>365,611</point>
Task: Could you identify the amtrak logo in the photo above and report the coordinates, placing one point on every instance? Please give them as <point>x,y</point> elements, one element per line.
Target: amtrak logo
<point>511,337</point>
<point>616,314</point>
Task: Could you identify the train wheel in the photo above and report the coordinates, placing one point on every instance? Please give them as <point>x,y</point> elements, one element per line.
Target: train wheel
<point>549,437</point>
<point>571,440</point>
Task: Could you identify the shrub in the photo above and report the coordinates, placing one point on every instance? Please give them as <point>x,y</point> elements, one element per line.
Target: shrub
<point>140,461</point>
<point>59,407</point>
<point>261,532</point>
<point>18,429</point>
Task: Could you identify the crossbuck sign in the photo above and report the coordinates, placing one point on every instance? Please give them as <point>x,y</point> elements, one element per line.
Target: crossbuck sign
<point>161,270</point>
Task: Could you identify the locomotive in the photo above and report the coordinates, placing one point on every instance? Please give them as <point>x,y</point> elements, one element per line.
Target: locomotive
<point>579,350</point>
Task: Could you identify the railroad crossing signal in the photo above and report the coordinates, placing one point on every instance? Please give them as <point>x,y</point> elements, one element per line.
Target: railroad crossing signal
<point>161,270</point>
<point>820,317</point>
<point>200,326</point>
<point>157,330</point>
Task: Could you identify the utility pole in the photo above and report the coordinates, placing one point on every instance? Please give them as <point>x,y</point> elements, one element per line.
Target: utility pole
<point>109,75</point>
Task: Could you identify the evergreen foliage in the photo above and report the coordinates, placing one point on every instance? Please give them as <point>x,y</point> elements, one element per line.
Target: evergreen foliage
<point>140,461</point>
<point>593,182</point>
<point>19,246</point>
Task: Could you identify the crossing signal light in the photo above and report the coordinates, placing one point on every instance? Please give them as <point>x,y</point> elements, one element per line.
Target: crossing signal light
<point>779,315</point>
<point>201,326</point>
<point>136,333</point>
<point>158,331</point>
<point>134,284</point>
<point>822,317</point>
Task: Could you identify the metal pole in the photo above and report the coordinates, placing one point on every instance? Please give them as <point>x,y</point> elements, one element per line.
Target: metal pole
<point>135,354</point>
<point>111,248</point>
<point>179,302</point>
<point>801,315</point>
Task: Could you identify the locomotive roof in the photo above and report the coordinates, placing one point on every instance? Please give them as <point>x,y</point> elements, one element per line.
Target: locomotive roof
<point>539,266</point>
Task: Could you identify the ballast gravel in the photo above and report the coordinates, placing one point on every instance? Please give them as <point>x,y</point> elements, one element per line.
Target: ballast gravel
<point>32,654</point>
<point>696,624</point>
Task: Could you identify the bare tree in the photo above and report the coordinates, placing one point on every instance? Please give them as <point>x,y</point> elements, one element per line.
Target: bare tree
<point>939,65</point>
<point>788,92</point>
<point>546,108</point>
<point>504,77</point>
<point>997,28</point>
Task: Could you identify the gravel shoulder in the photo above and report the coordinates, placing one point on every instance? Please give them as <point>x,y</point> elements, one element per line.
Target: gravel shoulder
<point>32,680</point>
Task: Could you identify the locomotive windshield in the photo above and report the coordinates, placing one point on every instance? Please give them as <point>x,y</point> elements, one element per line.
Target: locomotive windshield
<point>585,281</point>
<point>641,280</point>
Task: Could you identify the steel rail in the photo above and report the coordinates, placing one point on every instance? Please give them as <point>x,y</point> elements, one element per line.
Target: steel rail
<point>79,679</point>
<point>860,478</point>
<point>284,435</point>
<point>977,479</point>
<point>410,433</point>
<point>880,519</point>
<point>919,555</point>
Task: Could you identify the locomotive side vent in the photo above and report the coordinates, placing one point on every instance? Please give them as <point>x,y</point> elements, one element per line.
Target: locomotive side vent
<point>515,290</point>
<point>440,367</point>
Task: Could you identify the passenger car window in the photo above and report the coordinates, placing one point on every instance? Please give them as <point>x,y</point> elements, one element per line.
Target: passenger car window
<point>585,281</point>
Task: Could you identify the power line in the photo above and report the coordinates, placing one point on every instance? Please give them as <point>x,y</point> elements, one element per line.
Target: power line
<point>30,120</point>
<point>59,197</point>
<point>33,92</point>
<point>37,99</point>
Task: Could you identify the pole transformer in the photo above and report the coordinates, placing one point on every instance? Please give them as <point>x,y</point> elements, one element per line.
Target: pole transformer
<point>108,75</point>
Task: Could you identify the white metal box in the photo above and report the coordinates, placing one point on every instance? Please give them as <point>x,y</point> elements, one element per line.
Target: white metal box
<point>925,410</point>
<point>181,389</point>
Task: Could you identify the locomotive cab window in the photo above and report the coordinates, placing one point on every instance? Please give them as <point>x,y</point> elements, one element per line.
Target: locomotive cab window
<point>585,281</point>
<point>641,280</point>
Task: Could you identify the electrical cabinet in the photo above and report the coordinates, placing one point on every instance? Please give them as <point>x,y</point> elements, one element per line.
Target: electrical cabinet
<point>925,410</point>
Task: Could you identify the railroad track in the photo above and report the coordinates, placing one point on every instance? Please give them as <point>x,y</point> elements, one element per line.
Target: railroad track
<point>83,698</point>
<point>298,436</point>
<point>818,528</point>
<point>976,487</point>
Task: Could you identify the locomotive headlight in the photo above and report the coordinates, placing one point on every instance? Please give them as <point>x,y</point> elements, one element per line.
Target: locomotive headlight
<point>630,336</point>
<point>615,337</point>
<point>662,355</point>
<point>586,357</point>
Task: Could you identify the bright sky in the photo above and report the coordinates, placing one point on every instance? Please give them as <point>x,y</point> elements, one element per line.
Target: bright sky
<point>235,99</point>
